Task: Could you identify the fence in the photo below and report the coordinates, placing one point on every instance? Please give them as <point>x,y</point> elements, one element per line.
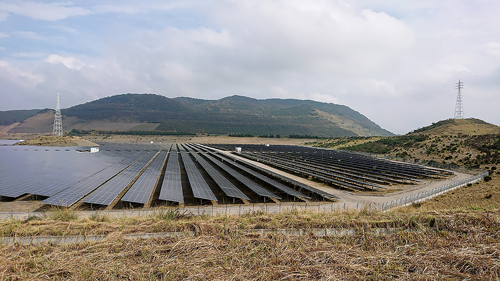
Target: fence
<point>209,210</point>
<point>425,195</point>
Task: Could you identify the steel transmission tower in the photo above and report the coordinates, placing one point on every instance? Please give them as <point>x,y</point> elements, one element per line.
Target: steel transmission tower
<point>459,107</point>
<point>58,131</point>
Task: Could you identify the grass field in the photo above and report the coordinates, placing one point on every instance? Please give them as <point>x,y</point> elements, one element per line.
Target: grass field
<point>423,245</point>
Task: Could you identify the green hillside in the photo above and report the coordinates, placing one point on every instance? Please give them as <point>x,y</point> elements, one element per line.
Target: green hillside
<point>470,143</point>
<point>230,115</point>
<point>13,116</point>
<point>469,126</point>
<point>128,107</point>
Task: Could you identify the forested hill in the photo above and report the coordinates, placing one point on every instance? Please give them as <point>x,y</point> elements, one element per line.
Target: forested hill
<point>233,115</point>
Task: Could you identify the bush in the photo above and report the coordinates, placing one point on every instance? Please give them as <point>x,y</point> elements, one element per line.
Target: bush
<point>487,178</point>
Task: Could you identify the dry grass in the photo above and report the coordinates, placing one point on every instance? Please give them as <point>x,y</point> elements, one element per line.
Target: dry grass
<point>50,140</point>
<point>437,246</point>
<point>464,126</point>
<point>478,196</point>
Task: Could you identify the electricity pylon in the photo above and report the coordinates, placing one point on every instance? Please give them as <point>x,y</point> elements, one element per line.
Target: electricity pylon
<point>58,131</point>
<point>459,108</point>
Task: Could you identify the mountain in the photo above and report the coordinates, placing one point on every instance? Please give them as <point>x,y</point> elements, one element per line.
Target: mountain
<point>234,114</point>
<point>42,122</point>
<point>128,107</point>
<point>13,116</point>
<point>469,126</point>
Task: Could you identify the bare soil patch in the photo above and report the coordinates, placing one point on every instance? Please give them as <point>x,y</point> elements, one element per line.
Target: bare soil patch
<point>40,123</point>
<point>20,206</point>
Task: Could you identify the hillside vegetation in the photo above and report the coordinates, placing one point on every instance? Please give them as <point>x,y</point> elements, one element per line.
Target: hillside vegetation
<point>470,126</point>
<point>13,116</point>
<point>439,143</point>
<point>230,115</point>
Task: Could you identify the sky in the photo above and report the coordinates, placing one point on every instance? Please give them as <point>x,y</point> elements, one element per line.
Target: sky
<point>396,62</point>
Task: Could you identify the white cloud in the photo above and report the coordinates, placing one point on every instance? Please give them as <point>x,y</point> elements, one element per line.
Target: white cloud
<point>3,35</point>
<point>492,49</point>
<point>25,79</point>
<point>315,36</point>
<point>69,62</point>
<point>30,35</point>
<point>374,87</point>
<point>27,55</point>
<point>137,8</point>
<point>43,11</point>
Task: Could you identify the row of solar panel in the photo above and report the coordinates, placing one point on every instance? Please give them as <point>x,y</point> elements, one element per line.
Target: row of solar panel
<point>260,173</point>
<point>342,169</point>
<point>128,175</point>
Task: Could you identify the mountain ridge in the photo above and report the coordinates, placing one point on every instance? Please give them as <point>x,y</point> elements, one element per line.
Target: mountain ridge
<point>233,114</point>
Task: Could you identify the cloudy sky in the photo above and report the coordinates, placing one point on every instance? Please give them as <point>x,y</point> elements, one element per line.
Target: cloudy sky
<point>396,62</point>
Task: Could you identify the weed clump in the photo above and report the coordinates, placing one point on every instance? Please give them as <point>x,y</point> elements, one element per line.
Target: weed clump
<point>99,217</point>
<point>169,215</point>
<point>61,214</point>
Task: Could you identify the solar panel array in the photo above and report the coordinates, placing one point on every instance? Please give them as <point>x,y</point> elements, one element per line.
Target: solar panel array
<point>75,193</point>
<point>66,177</point>
<point>302,187</point>
<point>340,168</point>
<point>265,179</point>
<point>227,186</point>
<point>141,190</point>
<point>198,184</point>
<point>171,188</point>
<point>45,173</point>
<point>108,192</point>
<point>259,190</point>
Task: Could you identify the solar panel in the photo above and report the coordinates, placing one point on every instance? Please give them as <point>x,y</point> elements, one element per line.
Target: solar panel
<point>265,179</point>
<point>171,188</point>
<point>73,194</point>
<point>244,180</point>
<point>108,192</point>
<point>141,190</point>
<point>289,180</point>
<point>198,184</point>
<point>46,173</point>
<point>227,187</point>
